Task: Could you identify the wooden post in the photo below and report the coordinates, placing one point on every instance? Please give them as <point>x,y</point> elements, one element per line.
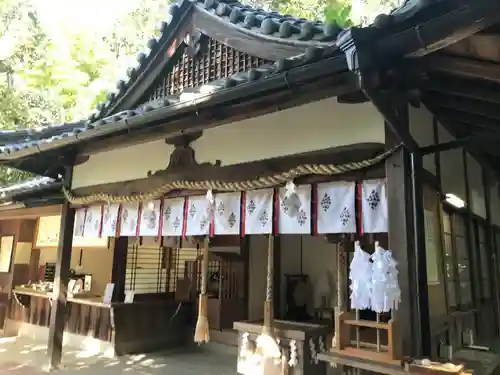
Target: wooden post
<point>119,268</point>
<point>58,311</point>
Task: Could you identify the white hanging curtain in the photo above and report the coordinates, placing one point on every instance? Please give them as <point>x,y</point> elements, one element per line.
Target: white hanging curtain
<point>79,222</point>
<point>149,224</point>
<point>296,218</point>
<point>110,220</point>
<point>227,216</point>
<point>258,207</point>
<point>93,222</point>
<point>173,217</point>
<point>336,207</point>
<point>199,216</point>
<point>129,219</point>
<point>374,207</point>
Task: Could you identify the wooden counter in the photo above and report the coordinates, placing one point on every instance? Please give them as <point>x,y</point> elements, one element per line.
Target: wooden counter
<point>85,316</point>
<point>308,339</point>
<point>140,326</point>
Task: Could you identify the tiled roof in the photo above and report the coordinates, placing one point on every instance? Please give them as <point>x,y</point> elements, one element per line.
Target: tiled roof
<point>34,184</point>
<point>270,24</point>
<point>17,143</point>
<point>318,41</point>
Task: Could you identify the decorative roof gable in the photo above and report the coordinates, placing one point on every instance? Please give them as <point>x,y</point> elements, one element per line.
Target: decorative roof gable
<point>269,36</point>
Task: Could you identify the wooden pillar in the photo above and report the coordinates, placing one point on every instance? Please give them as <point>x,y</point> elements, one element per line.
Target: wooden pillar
<point>245,253</point>
<point>400,242</point>
<point>490,243</point>
<point>119,268</point>
<point>277,278</point>
<point>58,311</point>
<point>407,241</point>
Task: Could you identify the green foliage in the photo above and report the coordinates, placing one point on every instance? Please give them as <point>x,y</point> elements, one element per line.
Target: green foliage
<point>339,11</point>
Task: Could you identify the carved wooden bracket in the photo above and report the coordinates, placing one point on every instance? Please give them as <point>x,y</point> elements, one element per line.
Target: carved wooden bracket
<point>183,157</point>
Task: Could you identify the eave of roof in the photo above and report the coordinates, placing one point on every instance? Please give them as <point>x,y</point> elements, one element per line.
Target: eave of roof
<point>322,39</point>
<point>36,186</point>
<point>315,62</point>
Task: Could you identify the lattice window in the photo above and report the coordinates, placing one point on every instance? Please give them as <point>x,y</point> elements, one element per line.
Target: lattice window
<point>146,270</point>
<point>217,62</point>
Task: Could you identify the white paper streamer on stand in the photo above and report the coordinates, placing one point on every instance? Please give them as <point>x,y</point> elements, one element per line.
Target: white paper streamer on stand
<point>360,275</point>
<point>294,360</point>
<point>386,294</point>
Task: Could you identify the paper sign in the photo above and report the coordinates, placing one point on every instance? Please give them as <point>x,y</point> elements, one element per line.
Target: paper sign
<point>108,293</point>
<point>129,296</point>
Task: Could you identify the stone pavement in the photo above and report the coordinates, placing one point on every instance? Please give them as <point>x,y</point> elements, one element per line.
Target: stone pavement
<point>23,356</point>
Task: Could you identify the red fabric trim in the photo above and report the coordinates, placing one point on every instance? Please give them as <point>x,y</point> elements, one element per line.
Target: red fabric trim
<point>184,219</point>
<point>276,211</point>
<point>119,221</point>
<point>102,218</point>
<point>84,221</point>
<point>359,199</point>
<point>243,212</point>
<point>160,223</point>
<point>211,229</point>
<point>139,217</point>
<point>315,209</point>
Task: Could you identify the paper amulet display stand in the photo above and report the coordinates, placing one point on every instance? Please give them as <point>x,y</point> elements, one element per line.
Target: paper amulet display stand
<point>374,286</point>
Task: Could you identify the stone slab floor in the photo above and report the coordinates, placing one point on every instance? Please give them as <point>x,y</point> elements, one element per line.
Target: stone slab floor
<point>23,356</point>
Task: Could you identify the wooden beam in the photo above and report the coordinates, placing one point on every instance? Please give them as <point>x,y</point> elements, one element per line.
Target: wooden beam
<point>465,88</point>
<point>385,105</point>
<point>61,278</point>
<point>243,110</point>
<point>475,121</point>
<point>461,142</point>
<point>463,67</point>
<point>29,213</point>
<point>469,106</point>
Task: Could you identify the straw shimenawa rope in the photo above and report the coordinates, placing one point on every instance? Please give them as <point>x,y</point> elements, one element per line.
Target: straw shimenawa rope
<point>262,182</point>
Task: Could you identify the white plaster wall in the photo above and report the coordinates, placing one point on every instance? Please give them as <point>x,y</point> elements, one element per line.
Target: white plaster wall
<point>495,204</point>
<point>97,262</point>
<point>452,169</point>
<point>476,186</point>
<point>422,131</point>
<point>318,261</point>
<point>23,253</point>
<point>310,127</point>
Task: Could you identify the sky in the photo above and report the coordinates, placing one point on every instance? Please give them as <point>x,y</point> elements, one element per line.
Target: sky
<point>96,14</point>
